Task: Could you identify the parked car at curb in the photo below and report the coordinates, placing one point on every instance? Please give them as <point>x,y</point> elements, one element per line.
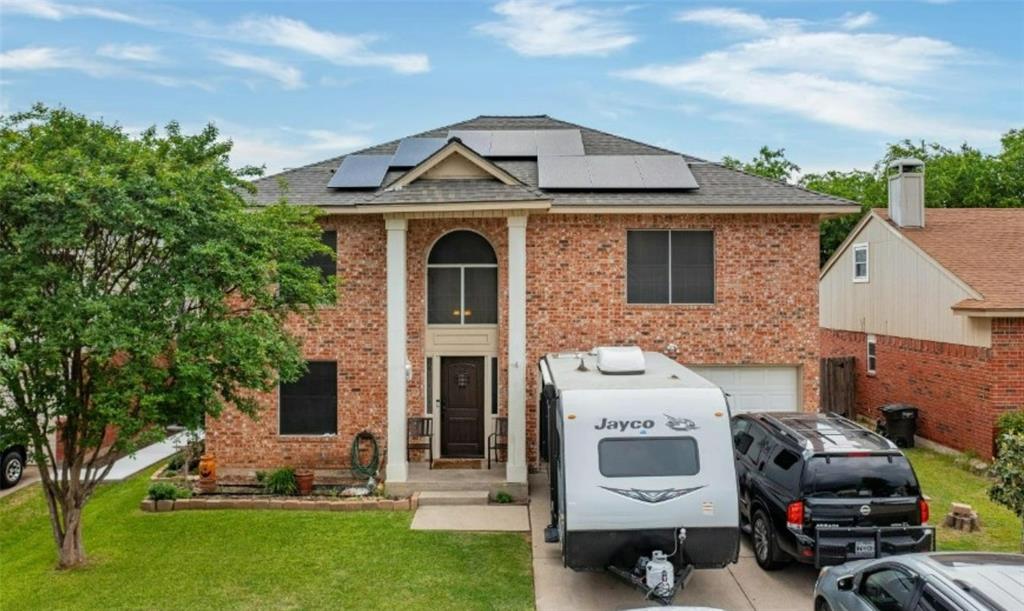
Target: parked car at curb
<point>12,465</point>
<point>949,581</point>
<point>820,489</point>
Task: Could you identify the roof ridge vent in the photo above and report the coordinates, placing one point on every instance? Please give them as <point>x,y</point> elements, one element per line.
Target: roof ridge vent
<point>620,360</point>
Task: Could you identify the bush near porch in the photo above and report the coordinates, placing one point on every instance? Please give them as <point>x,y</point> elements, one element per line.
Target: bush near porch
<point>944,482</point>
<point>253,559</point>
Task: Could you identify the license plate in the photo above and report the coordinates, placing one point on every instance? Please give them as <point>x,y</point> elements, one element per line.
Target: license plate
<point>864,548</point>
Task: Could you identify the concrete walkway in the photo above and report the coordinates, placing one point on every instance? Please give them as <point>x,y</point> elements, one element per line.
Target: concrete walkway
<point>739,587</point>
<point>478,518</point>
<point>150,455</point>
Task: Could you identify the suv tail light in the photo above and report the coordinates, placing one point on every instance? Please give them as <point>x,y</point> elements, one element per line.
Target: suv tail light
<point>922,507</point>
<point>795,514</point>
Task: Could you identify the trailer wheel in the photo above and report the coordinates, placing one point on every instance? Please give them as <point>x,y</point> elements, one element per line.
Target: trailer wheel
<point>766,545</point>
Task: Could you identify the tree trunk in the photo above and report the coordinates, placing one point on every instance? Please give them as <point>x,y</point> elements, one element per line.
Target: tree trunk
<point>72,553</point>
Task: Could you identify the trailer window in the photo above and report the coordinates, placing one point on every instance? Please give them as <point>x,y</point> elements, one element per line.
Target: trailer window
<point>648,456</point>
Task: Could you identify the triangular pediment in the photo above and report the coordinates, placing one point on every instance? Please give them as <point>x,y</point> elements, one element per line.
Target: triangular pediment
<point>455,161</point>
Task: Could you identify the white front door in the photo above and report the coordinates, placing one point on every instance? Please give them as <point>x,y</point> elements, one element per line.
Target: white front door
<point>756,389</point>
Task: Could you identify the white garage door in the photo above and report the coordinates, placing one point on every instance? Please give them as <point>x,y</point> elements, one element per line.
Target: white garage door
<point>756,389</point>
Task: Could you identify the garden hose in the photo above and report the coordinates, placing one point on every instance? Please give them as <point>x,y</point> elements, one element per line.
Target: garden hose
<point>369,469</point>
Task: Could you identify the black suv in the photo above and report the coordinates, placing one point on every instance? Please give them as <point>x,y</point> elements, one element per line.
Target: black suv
<point>821,489</point>
<point>12,464</point>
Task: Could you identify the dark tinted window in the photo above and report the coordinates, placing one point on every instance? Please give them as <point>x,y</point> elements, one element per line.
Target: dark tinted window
<point>670,267</point>
<point>784,468</point>
<point>462,247</point>
<point>889,590</point>
<point>760,440</point>
<point>444,295</point>
<point>648,457</point>
<point>860,476</point>
<point>325,262</point>
<point>309,406</point>
<point>481,295</point>
<point>933,601</point>
<point>693,267</point>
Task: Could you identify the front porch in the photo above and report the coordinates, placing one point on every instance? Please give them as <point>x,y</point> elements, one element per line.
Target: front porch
<point>423,479</point>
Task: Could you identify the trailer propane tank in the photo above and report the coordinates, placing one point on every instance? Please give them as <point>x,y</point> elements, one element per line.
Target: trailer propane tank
<point>660,574</point>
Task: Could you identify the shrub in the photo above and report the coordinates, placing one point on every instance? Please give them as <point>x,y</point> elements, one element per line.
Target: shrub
<point>163,491</point>
<point>281,482</point>
<point>1008,471</point>
<point>1011,422</point>
<point>502,497</point>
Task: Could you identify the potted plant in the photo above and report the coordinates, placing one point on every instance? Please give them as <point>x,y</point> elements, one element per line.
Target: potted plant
<point>304,481</point>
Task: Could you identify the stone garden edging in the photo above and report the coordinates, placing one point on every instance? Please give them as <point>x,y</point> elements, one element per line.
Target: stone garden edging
<point>311,504</point>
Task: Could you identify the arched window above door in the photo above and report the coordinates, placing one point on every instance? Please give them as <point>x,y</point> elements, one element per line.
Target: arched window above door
<point>462,281</point>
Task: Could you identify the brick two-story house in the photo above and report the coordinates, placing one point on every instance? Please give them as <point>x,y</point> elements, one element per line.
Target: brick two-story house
<point>467,252</point>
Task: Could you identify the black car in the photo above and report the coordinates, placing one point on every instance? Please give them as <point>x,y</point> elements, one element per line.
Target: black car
<point>819,488</point>
<point>12,465</point>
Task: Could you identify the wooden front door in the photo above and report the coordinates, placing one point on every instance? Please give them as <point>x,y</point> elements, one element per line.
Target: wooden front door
<point>462,406</point>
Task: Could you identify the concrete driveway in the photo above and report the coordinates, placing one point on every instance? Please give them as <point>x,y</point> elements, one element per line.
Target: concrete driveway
<point>740,587</point>
<point>29,477</point>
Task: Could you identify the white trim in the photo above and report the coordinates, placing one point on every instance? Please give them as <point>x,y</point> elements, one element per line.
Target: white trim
<point>989,313</point>
<point>397,337</point>
<point>865,247</point>
<point>451,148</point>
<point>516,467</point>
<point>826,211</point>
<point>872,341</point>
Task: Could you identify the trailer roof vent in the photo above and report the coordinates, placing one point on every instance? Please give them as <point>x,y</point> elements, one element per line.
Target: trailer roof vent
<point>620,360</point>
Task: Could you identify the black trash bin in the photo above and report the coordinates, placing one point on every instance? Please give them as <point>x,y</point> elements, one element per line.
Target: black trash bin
<point>900,424</point>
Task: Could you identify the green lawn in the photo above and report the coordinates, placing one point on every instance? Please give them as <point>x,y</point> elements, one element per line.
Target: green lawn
<point>253,559</point>
<point>945,483</point>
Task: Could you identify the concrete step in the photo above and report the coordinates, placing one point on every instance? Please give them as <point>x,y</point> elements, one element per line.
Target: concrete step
<point>453,497</point>
<point>488,518</point>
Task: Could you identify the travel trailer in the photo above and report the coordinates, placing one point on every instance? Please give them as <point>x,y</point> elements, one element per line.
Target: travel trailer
<point>642,476</point>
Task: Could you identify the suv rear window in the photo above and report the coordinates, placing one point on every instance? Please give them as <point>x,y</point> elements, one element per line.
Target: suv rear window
<point>648,456</point>
<point>859,476</point>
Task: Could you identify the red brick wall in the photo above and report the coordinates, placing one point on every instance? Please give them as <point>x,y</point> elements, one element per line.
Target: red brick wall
<point>766,292</point>
<point>960,390</point>
<point>766,313</point>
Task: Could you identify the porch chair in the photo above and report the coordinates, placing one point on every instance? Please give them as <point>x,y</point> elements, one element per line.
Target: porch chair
<point>420,428</point>
<point>498,441</point>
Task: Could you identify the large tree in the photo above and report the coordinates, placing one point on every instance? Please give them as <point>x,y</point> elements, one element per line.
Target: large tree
<point>956,178</point>
<point>138,291</point>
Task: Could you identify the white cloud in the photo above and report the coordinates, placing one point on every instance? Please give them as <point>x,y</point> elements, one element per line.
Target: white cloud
<point>132,53</point>
<point>286,147</point>
<point>862,81</point>
<point>735,19</point>
<point>53,58</point>
<point>289,77</point>
<point>856,21</point>
<point>56,11</point>
<point>539,28</point>
<point>340,49</point>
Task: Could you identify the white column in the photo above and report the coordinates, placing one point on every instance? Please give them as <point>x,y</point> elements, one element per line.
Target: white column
<point>397,467</point>
<point>515,470</point>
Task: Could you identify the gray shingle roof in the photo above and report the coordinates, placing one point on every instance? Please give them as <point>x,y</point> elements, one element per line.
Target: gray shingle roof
<point>718,185</point>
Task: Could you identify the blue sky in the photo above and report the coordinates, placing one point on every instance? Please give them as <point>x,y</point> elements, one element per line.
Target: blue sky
<point>294,82</point>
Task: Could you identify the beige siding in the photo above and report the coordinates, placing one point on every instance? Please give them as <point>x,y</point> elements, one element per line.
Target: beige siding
<point>907,294</point>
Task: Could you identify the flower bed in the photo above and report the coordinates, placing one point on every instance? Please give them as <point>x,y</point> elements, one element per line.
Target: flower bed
<point>310,503</point>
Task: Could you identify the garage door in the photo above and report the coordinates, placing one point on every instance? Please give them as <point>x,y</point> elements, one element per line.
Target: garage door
<point>756,389</point>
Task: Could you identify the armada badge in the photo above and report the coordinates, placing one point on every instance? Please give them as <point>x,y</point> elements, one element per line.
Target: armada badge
<point>652,496</point>
<point>680,424</point>
<point>865,510</point>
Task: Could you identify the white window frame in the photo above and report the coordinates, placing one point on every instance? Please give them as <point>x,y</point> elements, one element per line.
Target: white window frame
<point>862,247</point>
<point>871,362</point>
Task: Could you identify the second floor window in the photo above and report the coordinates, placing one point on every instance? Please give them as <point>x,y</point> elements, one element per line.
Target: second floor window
<point>462,281</point>
<point>670,266</point>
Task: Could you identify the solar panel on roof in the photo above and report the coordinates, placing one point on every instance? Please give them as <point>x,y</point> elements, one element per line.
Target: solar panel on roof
<point>614,172</point>
<point>411,151</point>
<point>360,171</point>
<point>521,142</point>
<point>477,139</point>
<point>665,172</point>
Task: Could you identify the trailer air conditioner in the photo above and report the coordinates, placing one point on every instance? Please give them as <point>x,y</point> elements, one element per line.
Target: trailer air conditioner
<point>642,477</point>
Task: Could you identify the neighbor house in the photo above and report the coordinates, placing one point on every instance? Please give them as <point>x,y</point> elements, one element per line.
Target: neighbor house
<point>467,252</point>
<point>931,304</point>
